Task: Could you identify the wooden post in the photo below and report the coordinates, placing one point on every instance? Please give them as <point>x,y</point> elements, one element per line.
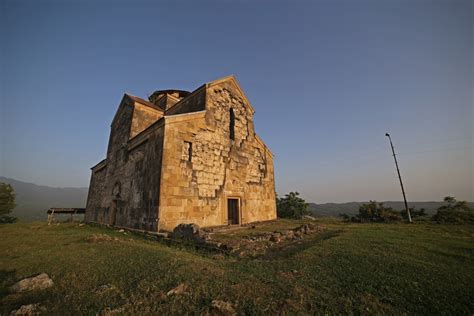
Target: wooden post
<point>51,217</point>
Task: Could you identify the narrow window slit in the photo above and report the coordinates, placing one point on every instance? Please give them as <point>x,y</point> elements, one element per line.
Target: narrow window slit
<point>190,151</point>
<point>187,153</point>
<point>231,124</point>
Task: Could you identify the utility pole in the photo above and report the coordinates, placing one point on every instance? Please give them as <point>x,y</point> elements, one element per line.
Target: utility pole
<point>399,177</point>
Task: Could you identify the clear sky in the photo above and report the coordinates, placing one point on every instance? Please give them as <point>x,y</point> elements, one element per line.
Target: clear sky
<point>327,80</point>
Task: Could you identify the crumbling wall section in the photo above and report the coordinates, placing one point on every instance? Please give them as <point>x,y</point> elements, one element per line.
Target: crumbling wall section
<point>249,170</point>
<point>197,182</point>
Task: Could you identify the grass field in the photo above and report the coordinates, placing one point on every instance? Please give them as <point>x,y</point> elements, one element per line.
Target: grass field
<point>349,268</point>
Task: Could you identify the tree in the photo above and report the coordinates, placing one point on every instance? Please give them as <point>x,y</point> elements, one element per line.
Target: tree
<point>7,198</point>
<point>291,206</point>
<point>454,205</point>
<point>7,202</point>
<point>454,212</point>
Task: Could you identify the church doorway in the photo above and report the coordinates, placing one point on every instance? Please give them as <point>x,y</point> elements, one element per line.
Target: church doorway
<point>233,211</point>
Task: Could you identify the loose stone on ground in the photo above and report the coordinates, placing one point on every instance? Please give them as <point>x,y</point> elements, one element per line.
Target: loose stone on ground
<point>180,289</point>
<point>39,282</point>
<point>28,310</point>
<point>225,308</point>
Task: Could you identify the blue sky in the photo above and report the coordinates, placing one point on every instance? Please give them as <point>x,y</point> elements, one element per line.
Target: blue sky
<point>327,80</point>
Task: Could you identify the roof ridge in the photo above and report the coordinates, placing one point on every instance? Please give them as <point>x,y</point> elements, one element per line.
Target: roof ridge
<point>144,102</point>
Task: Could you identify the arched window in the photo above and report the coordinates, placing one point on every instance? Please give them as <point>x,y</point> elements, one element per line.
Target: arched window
<point>231,124</point>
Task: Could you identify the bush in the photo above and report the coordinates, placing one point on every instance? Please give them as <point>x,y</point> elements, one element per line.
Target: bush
<point>454,212</point>
<point>345,217</point>
<point>453,217</point>
<point>413,212</point>
<point>376,212</point>
<point>8,219</point>
<point>292,206</point>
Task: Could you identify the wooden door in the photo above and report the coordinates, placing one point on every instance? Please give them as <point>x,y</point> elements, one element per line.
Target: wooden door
<point>233,211</point>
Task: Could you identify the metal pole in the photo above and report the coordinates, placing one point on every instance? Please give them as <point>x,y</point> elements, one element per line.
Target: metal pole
<point>400,178</point>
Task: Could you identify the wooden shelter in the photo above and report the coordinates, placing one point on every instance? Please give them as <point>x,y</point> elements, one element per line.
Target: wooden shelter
<point>62,210</point>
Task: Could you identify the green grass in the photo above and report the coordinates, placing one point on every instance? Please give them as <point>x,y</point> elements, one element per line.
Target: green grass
<point>350,268</point>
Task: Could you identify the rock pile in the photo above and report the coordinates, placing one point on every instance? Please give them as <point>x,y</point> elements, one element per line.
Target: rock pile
<point>253,245</point>
<point>259,244</point>
<point>190,232</point>
<point>291,234</point>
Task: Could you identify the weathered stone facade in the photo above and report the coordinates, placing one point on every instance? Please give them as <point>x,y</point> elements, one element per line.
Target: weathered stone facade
<point>184,158</point>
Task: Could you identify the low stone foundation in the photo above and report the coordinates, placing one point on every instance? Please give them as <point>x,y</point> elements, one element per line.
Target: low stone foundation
<point>251,245</point>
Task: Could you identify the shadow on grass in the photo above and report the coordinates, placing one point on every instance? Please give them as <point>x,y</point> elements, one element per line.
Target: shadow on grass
<point>7,278</point>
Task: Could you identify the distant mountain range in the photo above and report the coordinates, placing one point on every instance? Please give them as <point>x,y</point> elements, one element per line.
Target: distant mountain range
<point>34,200</point>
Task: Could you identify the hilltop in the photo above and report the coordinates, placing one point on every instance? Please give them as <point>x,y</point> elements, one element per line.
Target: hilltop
<point>346,269</point>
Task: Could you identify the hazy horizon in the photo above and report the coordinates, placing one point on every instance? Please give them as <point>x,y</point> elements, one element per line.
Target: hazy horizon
<point>309,201</point>
<point>327,79</point>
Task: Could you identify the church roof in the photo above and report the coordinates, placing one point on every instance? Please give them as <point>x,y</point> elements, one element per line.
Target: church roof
<point>143,101</point>
<point>181,93</point>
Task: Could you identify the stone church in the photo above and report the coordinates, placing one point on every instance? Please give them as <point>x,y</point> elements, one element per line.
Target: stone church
<point>183,157</point>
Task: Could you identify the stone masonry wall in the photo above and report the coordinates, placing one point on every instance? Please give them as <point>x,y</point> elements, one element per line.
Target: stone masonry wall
<point>192,103</point>
<point>184,167</point>
<point>143,116</point>
<point>196,189</point>
<point>94,200</point>
<point>126,191</point>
